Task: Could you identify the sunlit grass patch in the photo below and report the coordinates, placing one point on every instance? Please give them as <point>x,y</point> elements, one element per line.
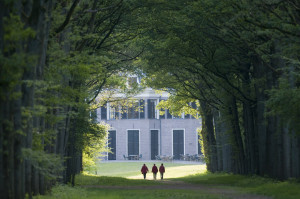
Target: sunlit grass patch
<point>132,169</point>
<point>176,172</point>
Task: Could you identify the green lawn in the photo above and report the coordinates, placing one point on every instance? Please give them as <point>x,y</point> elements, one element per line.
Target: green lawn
<point>125,174</point>
<point>132,169</point>
<point>67,192</point>
<point>150,194</point>
<point>128,174</point>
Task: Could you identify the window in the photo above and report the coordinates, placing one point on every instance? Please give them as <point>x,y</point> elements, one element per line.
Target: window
<point>124,112</point>
<point>133,110</point>
<point>169,116</point>
<point>103,113</point>
<point>162,113</point>
<point>194,106</point>
<point>199,146</point>
<point>151,108</point>
<point>154,144</point>
<point>117,111</point>
<point>142,109</point>
<point>187,116</point>
<point>112,144</point>
<point>132,81</point>
<point>94,115</point>
<point>133,142</point>
<point>178,143</point>
<point>177,116</point>
<point>113,112</point>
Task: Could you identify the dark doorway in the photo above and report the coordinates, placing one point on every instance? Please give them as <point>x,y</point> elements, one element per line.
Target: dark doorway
<point>133,142</point>
<point>178,143</point>
<point>112,144</point>
<point>154,144</point>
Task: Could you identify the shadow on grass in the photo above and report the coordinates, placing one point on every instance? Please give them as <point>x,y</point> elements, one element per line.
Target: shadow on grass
<point>246,184</point>
<point>250,184</point>
<point>84,179</point>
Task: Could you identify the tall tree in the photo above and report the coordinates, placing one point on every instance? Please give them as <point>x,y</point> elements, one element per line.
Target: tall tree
<point>46,90</point>
<point>229,55</point>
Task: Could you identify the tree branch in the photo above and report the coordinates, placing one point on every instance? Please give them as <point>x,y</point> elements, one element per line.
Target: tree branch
<point>68,17</point>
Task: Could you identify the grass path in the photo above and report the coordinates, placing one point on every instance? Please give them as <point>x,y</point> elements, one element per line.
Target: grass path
<point>123,180</point>
<point>217,191</point>
<point>174,171</point>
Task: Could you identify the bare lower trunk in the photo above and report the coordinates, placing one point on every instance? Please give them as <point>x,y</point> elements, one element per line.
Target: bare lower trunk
<point>260,87</point>
<point>2,179</point>
<point>224,148</point>
<point>19,143</point>
<point>208,136</point>
<point>251,153</point>
<point>219,130</point>
<point>238,145</point>
<point>35,181</point>
<point>295,154</point>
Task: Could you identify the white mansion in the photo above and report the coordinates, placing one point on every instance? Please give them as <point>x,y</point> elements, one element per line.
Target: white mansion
<point>142,131</point>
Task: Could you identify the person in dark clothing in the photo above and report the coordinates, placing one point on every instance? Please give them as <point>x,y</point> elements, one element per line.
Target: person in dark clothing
<point>144,170</point>
<point>161,171</point>
<point>154,171</point>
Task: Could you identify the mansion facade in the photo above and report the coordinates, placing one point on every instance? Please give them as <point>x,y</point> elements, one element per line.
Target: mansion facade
<point>141,130</point>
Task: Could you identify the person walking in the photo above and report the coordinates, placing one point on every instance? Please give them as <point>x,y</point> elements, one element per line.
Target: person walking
<point>154,171</point>
<point>144,170</point>
<point>162,171</point>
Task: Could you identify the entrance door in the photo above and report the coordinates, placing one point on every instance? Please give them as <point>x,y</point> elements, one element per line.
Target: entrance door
<point>178,143</point>
<point>133,142</point>
<point>154,144</point>
<point>112,144</point>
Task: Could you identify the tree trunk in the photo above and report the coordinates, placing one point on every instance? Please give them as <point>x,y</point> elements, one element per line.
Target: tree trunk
<point>35,181</point>
<point>295,154</point>
<point>208,136</point>
<point>260,121</point>
<point>1,147</point>
<point>36,46</point>
<point>224,148</point>
<point>219,130</point>
<point>42,185</point>
<point>19,143</point>
<point>16,172</point>
<point>251,153</point>
<point>238,146</point>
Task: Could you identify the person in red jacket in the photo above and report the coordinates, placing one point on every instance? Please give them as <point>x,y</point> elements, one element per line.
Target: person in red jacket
<point>144,170</point>
<point>161,171</point>
<point>154,171</point>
